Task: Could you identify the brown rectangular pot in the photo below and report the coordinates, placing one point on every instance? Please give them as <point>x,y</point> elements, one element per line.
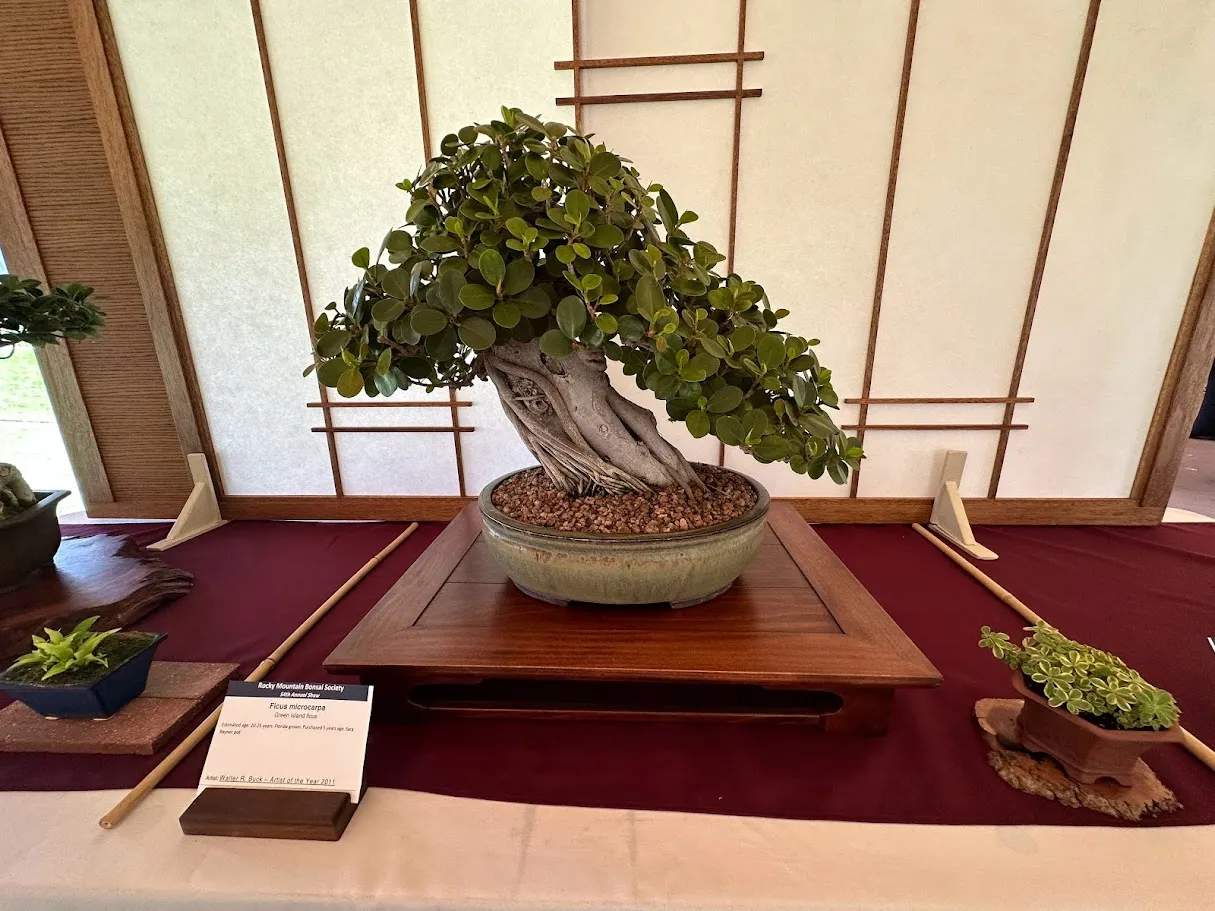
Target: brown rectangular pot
<point>1085,752</point>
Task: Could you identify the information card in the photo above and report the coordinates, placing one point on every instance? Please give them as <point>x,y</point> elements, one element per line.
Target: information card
<point>295,736</point>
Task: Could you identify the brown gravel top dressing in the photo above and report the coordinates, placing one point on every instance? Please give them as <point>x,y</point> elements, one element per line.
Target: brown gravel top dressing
<point>531,497</point>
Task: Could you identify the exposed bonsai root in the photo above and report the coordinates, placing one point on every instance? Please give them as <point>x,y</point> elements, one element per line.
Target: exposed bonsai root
<point>576,426</point>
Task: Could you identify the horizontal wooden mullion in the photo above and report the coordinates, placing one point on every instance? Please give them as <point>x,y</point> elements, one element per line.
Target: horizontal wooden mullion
<point>393,429</point>
<point>607,63</point>
<point>869,427</point>
<point>639,97</point>
<point>862,510</point>
<point>389,404</point>
<point>959,400</point>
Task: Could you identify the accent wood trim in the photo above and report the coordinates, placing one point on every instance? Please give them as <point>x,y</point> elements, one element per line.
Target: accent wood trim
<point>55,361</point>
<point>864,510</point>
<point>456,404</point>
<point>892,180</point>
<point>156,234</point>
<point>166,508</point>
<point>1048,226</point>
<point>576,63</point>
<point>957,400</point>
<point>642,97</point>
<point>393,429</point>
<point>1185,381</point>
<point>607,63</point>
<point>936,427</point>
<point>301,265</point>
<point>134,219</point>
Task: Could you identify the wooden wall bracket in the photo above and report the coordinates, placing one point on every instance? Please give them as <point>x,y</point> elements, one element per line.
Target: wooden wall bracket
<point>201,512</point>
<point>949,514</point>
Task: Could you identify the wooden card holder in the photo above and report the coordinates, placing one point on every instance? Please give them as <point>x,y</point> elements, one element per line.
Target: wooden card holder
<point>269,813</point>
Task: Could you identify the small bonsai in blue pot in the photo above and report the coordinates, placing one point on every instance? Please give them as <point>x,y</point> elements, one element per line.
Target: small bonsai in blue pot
<point>82,674</point>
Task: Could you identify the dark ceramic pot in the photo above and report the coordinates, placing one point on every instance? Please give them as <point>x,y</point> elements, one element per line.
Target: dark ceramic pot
<point>1084,751</point>
<point>99,699</point>
<point>28,540</point>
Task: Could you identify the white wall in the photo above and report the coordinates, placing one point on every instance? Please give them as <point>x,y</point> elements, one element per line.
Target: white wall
<point>988,97</point>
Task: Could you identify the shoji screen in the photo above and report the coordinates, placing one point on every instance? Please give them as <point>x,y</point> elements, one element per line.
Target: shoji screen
<point>990,212</point>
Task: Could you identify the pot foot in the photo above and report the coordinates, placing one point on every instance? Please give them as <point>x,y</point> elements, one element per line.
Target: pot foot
<point>675,605</point>
<point>692,602</point>
<point>547,599</point>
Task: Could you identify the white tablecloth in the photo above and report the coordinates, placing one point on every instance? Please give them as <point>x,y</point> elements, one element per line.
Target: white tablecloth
<point>406,849</point>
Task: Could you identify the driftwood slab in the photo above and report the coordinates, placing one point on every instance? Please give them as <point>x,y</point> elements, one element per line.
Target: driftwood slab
<point>106,575</point>
<point>1034,773</point>
<point>177,691</point>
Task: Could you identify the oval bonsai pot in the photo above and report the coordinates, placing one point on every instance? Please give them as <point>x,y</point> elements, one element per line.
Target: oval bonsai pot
<point>28,540</point>
<point>1085,751</point>
<point>682,568</point>
<point>99,699</point>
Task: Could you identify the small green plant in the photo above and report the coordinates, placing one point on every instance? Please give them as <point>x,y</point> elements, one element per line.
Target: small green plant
<point>57,653</point>
<point>1084,680</point>
<point>39,318</point>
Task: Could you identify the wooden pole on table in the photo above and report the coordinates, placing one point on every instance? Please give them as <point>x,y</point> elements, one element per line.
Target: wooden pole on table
<point>154,777</point>
<point>1200,750</point>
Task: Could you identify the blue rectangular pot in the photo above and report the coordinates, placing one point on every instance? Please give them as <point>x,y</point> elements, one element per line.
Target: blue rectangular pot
<point>97,700</point>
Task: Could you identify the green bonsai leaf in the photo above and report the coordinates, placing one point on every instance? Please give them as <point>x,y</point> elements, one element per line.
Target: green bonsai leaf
<point>59,653</point>
<point>39,318</point>
<point>524,233</point>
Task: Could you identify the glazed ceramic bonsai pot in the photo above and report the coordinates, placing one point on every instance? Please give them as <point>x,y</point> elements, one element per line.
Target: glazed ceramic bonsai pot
<point>1085,751</point>
<point>28,540</point>
<point>98,699</point>
<point>681,568</point>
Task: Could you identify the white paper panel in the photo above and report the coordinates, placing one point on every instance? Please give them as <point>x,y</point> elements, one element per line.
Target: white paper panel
<point>1137,198</point>
<point>676,78</point>
<point>196,86</point>
<point>989,89</point>
<point>907,463</point>
<point>494,448</point>
<point>404,464</point>
<point>812,183</point>
<point>645,28</point>
<point>483,54</point>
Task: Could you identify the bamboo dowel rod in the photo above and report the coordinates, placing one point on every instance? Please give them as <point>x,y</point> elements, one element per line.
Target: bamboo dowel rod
<point>1196,747</point>
<point>166,765</point>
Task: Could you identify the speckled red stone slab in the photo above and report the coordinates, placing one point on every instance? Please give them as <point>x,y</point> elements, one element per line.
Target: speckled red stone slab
<point>177,691</point>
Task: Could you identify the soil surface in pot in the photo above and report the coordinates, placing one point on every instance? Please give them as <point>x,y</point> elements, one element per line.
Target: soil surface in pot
<point>116,649</point>
<point>531,497</point>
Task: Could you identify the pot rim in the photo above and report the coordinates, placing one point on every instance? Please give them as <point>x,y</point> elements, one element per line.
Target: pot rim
<point>1169,734</point>
<point>37,684</point>
<point>46,500</point>
<point>758,510</point>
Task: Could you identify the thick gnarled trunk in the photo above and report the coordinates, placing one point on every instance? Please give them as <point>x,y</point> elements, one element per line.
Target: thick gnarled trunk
<point>587,437</point>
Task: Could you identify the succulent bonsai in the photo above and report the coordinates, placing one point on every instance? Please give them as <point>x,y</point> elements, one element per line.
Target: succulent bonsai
<point>531,255</point>
<point>57,653</point>
<point>38,318</point>
<point>1085,681</point>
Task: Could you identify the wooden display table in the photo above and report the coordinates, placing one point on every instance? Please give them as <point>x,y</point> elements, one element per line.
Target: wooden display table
<point>797,638</point>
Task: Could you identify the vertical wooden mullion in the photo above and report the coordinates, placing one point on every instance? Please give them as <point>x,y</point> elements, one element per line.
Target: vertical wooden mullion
<point>428,151</point>
<point>293,220</point>
<point>734,156</point>
<point>1048,225</point>
<point>576,17</point>
<point>887,219</point>
<point>55,361</point>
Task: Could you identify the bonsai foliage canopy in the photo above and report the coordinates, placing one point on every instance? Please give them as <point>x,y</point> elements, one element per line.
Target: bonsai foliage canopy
<point>530,255</point>
<point>29,314</point>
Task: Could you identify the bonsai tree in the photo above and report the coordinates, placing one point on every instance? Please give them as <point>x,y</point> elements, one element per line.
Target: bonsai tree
<point>532,255</point>
<point>30,315</point>
<point>1084,680</point>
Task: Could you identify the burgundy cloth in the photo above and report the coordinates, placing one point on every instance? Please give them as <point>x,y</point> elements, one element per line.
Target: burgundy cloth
<point>1144,593</point>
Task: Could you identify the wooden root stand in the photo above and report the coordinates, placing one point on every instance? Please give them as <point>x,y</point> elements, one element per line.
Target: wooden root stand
<point>797,638</point>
